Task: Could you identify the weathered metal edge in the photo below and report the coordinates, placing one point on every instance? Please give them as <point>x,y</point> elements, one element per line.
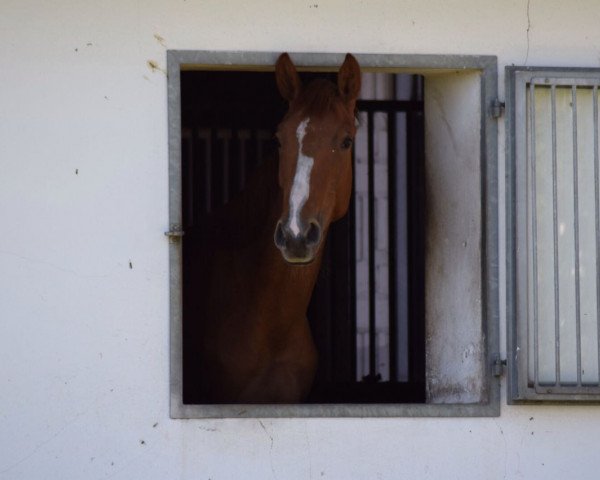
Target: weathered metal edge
<point>488,66</point>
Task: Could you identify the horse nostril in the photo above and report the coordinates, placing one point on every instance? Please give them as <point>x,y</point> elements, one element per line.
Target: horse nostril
<point>313,235</point>
<point>279,237</point>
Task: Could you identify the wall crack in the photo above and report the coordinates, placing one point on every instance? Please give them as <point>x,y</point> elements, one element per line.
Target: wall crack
<point>271,448</point>
<point>528,30</point>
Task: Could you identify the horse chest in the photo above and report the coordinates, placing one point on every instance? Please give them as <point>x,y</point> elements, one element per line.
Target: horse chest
<point>262,366</point>
<point>282,374</point>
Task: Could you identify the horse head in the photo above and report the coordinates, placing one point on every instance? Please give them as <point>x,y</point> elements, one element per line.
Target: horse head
<point>315,156</point>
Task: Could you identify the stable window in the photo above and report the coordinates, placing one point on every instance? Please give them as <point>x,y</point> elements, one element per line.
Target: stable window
<point>405,311</point>
<point>554,237</point>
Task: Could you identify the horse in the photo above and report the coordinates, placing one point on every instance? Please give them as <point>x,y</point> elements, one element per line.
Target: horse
<point>262,254</point>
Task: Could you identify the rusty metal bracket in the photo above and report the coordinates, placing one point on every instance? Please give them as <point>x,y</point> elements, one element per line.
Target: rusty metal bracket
<point>498,366</point>
<point>175,233</point>
<point>497,108</point>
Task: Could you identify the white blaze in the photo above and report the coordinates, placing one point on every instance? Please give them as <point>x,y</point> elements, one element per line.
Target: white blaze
<point>301,185</point>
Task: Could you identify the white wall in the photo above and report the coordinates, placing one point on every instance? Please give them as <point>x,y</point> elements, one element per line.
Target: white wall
<point>83,261</point>
<point>453,255</point>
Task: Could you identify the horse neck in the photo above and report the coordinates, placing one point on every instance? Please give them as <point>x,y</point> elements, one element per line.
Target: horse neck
<point>290,287</point>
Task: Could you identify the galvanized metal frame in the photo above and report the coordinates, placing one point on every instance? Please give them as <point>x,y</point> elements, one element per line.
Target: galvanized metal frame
<point>423,64</point>
<point>517,245</point>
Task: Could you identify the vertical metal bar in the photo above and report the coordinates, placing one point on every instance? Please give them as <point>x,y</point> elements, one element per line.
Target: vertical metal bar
<point>371,210</point>
<point>242,149</point>
<point>534,236</point>
<point>555,227</point>
<point>576,233</point>
<point>416,214</point>
<point>597,212</point>
<point>392,242</point>
<point>352,270</point>
<point>226,137</point>
<point>259,152</point>
<point>206,135</point>
<point>216,171</point>
<point>187,166</point>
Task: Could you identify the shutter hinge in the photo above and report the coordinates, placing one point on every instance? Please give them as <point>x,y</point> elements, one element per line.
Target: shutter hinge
<point>175,233</point>
<point>497,108</point>
<point>498,366</point>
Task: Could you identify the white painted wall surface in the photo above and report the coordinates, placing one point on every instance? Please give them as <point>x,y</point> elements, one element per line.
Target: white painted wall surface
<point>83,262</point>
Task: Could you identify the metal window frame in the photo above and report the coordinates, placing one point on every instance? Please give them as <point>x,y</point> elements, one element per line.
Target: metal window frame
<point>517,247</point>
<point>237,60</point>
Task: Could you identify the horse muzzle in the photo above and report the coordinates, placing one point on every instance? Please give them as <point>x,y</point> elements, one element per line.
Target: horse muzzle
<point>298,248</point>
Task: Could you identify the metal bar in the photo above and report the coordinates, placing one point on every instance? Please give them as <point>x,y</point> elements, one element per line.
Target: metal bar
<point>205,134</point>
<point>392,262</point>
<point>371,210</point>
<point>565,81</point>
<point>225,135</point>
<point>555,227</point>
<point>352,272</point>
<point>576,233</point>
<point>534,238</point>
<point>175,249</point>
<point>597,212</point>
<point>243,136</point>
<point>187,167</point>
<point>570,389</point>
<point>416,215</point>
<point>216,172</point>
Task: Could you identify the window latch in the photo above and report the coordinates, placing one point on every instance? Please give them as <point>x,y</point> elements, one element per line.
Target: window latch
<point>175,233</point>
<point>497,109</point>
<point>498,366</point>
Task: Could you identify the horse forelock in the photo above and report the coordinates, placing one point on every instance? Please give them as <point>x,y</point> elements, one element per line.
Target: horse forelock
<point>320,97</point>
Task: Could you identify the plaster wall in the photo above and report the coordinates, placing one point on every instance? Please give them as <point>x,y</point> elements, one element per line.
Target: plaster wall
<point>84,264</point>
<point>455,343</point>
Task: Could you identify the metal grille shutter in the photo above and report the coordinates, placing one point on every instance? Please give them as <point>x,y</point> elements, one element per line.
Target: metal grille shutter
<point>553,247</point>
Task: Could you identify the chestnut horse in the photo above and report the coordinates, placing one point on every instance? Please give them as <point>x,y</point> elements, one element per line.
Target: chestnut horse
<point>259,269</point>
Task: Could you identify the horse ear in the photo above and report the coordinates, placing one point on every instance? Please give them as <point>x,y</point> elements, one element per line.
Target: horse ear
<point>288,80</point>
<point>349,79</point>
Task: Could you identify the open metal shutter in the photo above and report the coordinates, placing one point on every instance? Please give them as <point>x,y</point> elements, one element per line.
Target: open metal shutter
<point>553,234</point>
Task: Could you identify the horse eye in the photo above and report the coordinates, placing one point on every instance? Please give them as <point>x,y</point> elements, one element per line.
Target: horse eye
<point>347,143</point>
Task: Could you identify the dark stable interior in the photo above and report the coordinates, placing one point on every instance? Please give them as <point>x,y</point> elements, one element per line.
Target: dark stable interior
<point>217,110</point>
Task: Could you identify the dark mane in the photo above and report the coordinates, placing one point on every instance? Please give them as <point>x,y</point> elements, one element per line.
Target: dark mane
<point>320,97</point>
